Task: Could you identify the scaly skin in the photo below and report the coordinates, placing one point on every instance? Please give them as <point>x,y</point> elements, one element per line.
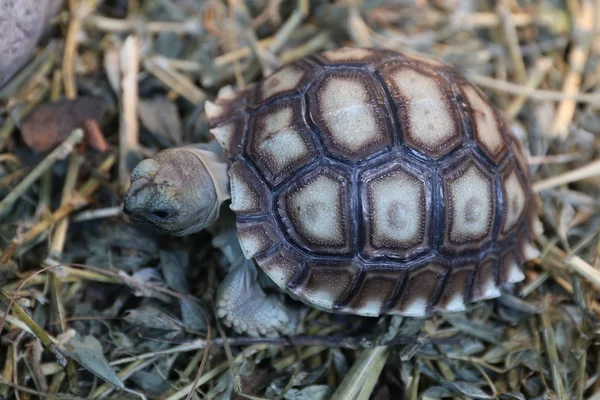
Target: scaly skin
<point>180,192</point>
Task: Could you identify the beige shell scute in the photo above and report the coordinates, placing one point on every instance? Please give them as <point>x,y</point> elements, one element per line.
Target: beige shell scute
<point>248,193</point>
<point>349,112</point>
<point>281,265</point>
<point>509,270</point>
<point>257,236</point>
<point>514,199</point>
<point>214,111</point>
<point>420,290</point>
<point>486,125</point>
<point>229,135</point>
<point>315,211</point>
<point>376,289</point>
<point>470,206</point>
<point>228,103</point>
<point>347,54</point>
<point>353,56</point>
<point>452,298</point>
<point>325,285</point>
<point>425,109</point>
<point>369,182</point>
<point>485,286</point>
<point>285,81</point>
<point>395,201</point>
<point>280,142</point>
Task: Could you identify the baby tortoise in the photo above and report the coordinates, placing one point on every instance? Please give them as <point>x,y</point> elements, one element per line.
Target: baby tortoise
<point>364,181</point>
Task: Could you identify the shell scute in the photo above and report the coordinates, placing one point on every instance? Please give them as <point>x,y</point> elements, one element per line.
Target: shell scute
<point>376,287</point>
<point>470,206</point>
<point>509,270</point>
<point>282,265</point>
<point>485,285</point>
<point>351,56</point>
<point>421,290</point>
<point>249,194</point>
<point>325,284</point>
<point>229,135</point>
<point>350,112</point>
<point>514,199</point>
<point>279,141</point>
<point>456,289</point>
<point>287,80</point>
<point>425,107</point>
<point>397,212</point>
<point>486,124</point>
<point>257,236</point>
<point>316,211</point>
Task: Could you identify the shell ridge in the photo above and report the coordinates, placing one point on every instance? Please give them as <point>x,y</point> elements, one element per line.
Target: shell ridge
<point>396,293</point>
<point>355,213</point>
<point>397,126</point>
<point>498,217</point>
<point>351,291</point>
<point>439,290</point>
<point>438,219</point>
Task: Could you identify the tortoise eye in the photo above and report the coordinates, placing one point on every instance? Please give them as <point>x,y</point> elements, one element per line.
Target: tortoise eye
<point>162,213</point>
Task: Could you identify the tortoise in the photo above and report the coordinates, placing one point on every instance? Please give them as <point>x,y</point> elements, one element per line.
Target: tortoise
<point>363,181</point>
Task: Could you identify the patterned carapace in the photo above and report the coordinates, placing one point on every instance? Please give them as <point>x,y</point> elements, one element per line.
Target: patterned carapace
<point>370,182</point>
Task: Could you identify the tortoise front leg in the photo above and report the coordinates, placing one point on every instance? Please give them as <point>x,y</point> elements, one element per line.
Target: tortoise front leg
<point>243,305</point>
<point>241,302</point>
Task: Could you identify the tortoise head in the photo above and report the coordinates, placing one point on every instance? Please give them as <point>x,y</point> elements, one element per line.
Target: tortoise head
<point>178,192</point>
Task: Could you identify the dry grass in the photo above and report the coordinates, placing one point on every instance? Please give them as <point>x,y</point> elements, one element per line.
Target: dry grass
<point>91,307</point>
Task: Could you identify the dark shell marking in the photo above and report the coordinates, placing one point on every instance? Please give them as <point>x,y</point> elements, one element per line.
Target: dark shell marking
<point>370,182</point>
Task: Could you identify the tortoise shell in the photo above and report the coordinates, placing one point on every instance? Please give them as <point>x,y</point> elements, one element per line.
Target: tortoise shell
<point>370,182</point>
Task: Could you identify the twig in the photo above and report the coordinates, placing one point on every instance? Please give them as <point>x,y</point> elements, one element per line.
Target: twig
<point>58,153</point>
<point>60,233</point>
<point>537,94</point>
<point>101,213</point>
<point>313,45</point>
<point>587,171</point>
<point>358,29</point>
<point>293,22</point>
<point>555,364</point>
<point>128,129</point>
<point>361,379</point>
<point>191,26</point>
<point>176,81</point>
<point>55,396</point>
<point>491,20</point>
<point>578,56</point>
<point>537,75</point>
<point>512,38</point>
<point>575,263</point>
<point>79,11</point>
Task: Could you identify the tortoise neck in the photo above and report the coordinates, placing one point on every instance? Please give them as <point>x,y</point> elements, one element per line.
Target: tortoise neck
<point>218,171</point>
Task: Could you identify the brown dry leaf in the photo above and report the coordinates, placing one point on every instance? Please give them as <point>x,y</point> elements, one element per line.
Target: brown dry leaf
<point>51,123</point>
